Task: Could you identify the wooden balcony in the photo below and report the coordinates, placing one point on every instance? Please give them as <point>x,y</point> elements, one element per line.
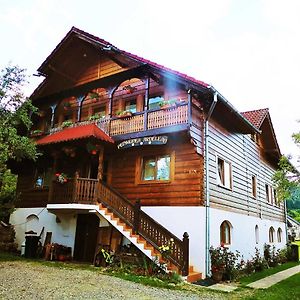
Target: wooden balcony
<point>140,121</point>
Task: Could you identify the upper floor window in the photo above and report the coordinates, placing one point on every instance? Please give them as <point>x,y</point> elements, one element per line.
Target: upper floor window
<point>225,234</point>
<point>154,102</point>
<point>271,234</point>
<point>100,111</point>
<point>156,168</point>
<point>224,173</point>
<point>254,184</point>
<point>269,196</point>
<point>130,105</point>
<point>275,198</point>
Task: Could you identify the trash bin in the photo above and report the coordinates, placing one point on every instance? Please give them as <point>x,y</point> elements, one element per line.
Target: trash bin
<point>31,246</point>
<point>295,246</point>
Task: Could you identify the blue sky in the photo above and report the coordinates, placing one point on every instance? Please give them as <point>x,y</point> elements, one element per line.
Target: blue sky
<point>248,49</point>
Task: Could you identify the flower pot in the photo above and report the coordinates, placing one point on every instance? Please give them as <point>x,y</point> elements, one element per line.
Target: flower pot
<point>217,276</point>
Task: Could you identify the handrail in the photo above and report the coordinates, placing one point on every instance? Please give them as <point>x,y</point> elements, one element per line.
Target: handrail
<point>153,232</point>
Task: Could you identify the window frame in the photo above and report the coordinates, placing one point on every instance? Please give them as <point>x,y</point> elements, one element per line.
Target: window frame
<point>271,235</point>
<point>140,164</point>
<point>225,225</point>
<point>254,186</point>
<point>279,235</point>
<point>219,180</point>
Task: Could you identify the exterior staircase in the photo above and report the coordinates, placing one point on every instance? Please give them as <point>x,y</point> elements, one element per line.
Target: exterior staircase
<point>138,227</point>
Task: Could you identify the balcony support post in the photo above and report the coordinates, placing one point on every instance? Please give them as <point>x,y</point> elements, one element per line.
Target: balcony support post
<point>146,103</point>
<point>100,164</point>
<point>79,100</point>
<point>189,107</point>
<point>74,196</point>
<point>53,107</point>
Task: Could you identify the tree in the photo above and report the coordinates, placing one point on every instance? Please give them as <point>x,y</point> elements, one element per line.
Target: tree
<point>15,120</point>
<point>287,180</point>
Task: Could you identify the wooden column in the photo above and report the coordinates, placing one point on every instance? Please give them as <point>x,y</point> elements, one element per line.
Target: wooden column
<point>189,107</point>
<point>146,103</point>
<point>185,269</point>
<point>100,164</point>
<point>53,108</point>
<point>79,100</point>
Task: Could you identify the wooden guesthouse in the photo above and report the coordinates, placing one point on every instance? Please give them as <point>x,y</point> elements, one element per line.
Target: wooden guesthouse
<point>134,152</point>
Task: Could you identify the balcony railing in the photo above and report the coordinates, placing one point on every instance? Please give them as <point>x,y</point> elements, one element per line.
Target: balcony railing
<point>140,121</point>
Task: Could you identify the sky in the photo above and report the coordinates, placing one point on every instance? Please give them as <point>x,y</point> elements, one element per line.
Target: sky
<point>249,50</point>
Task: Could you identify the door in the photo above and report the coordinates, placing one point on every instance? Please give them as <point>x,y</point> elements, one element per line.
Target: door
<point>86,237</point>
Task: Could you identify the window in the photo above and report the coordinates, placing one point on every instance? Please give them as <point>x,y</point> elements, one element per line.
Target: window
<point>279,235</point>
<point>43,178</point>
<point>271,235</point>
<point>130,105</point>
<point>256,234</point>
<point>224,173</point>
<point>156,168</point>
<point>268,193</point>
<point>225,235</point>
<point>154,102</point>
<point>253,186</point>
<point>275,198</point>
<point>100,111</point>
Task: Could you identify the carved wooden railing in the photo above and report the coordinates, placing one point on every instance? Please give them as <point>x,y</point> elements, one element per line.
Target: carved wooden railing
<point>86,190</point>
<point>144,225</point>
<point>152,119</point>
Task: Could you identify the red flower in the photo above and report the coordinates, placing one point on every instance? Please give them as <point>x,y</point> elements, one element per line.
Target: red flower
<point>57,174</point>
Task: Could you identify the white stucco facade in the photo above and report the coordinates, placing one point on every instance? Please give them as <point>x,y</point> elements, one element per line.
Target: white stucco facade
<point>63,227</point>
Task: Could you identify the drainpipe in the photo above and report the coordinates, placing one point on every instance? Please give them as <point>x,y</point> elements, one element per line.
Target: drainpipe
<point>286,226</point>
<point>207,192</point>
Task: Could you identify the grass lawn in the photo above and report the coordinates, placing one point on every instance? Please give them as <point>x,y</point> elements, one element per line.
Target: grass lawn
<point>286,289</point>
<point>267,272</point>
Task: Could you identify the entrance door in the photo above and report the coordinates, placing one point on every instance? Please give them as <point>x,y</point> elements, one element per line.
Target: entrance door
<point>86,237</point>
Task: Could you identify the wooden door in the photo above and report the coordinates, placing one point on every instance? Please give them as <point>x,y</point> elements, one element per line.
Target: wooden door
<point>86,237</point>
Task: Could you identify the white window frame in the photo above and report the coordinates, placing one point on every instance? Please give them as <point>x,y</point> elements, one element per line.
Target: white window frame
<point>227,173</point>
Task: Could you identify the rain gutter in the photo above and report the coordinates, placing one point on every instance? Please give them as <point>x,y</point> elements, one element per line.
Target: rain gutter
<point>207,191</point>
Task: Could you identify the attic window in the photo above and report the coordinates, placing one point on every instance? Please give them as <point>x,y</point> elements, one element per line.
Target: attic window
<point>253,137</point>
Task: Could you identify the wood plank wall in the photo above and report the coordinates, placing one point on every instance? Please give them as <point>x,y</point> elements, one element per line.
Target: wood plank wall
<point>185,190</point>
<point>244,156</point>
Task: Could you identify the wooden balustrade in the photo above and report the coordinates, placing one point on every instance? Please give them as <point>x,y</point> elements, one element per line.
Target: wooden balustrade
<point>141,121</point>
<point>62,193</point>
<point>85,190</point>
<point>143,224</point>
<point>127,125</point>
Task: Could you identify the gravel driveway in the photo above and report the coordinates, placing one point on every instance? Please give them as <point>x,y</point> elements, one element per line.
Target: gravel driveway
<point>24,280</point>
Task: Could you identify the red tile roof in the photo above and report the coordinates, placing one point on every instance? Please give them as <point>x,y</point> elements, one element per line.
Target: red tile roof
<point>75,133</point>
<point>256,117</point>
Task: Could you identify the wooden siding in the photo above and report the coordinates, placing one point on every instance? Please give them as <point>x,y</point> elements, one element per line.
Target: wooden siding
<point>244,156</point>
<point>185,189</point>
<point>28,196</point>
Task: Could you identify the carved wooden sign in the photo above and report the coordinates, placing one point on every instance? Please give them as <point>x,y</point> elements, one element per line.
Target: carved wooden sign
<point>148,140</point>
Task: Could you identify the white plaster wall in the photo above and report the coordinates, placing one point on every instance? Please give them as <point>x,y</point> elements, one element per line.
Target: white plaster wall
<point>180,219</point>
<point>62,233</point>
<point>243,231</point>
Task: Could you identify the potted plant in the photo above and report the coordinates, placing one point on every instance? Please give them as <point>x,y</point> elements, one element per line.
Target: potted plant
<point>96,116</point>
<point>94,96</point>
<point>36,132</point>
<point>66,124</point>
<point>124,114</point>
<point>165,104</point>
<point>61,178</point>
<point>129,89</point>
<point>218,263</point>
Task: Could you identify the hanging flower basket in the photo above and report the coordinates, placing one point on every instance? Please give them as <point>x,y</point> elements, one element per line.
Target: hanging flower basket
<point>61,178</point>
<point>129,89</point>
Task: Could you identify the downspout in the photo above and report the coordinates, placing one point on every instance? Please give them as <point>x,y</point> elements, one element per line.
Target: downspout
<point>286,225</point>
<point>207,192</point>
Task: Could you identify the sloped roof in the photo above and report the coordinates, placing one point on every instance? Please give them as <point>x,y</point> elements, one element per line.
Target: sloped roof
<point>256,117</point>
<point>137,58</point>
<point>75,133</point>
